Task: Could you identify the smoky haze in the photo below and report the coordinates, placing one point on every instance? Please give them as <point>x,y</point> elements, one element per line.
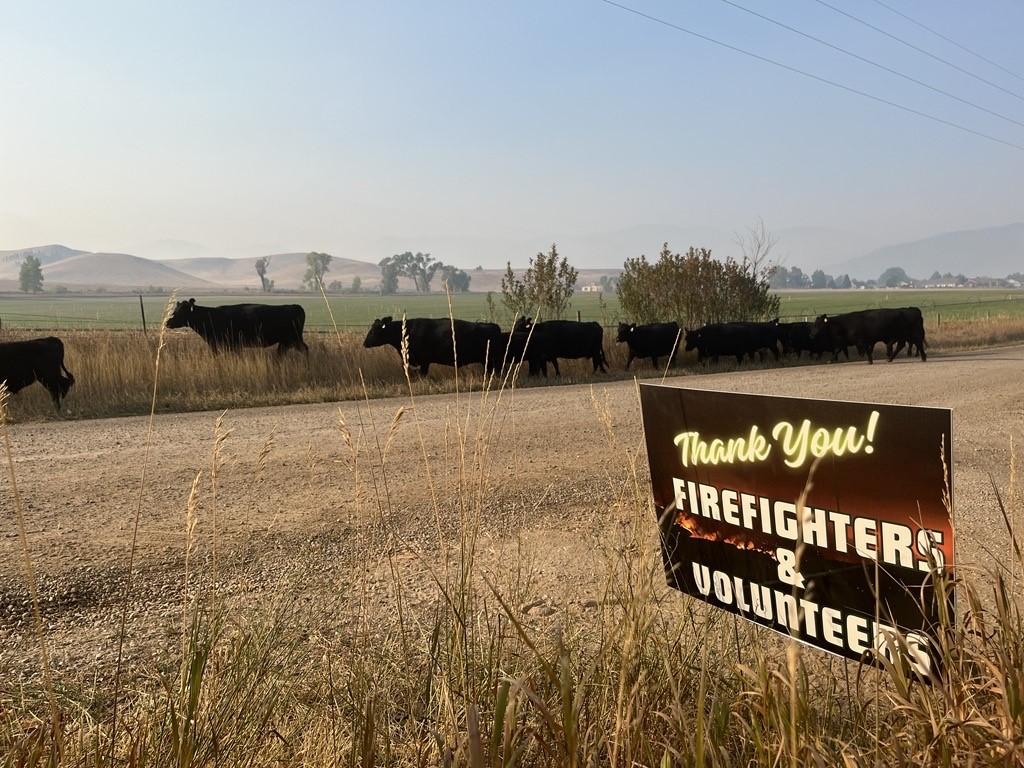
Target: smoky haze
<point>483,133</point>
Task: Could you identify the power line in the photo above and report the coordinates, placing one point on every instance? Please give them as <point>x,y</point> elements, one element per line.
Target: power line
<point>812,76</point>
<point>949,40</point>
<point>873,63</point>
<point>920,50</point>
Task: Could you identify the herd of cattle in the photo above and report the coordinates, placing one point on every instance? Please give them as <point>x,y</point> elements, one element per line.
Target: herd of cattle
<point>429,341</point>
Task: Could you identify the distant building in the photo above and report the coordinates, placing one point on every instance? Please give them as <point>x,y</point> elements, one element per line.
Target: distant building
<point>592,288</point>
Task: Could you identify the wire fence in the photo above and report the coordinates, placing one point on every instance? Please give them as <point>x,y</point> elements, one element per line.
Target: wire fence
<point>36,321</point>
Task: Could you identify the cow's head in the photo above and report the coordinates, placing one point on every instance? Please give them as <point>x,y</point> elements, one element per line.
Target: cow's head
<point>182,315</point>
<point>625,331</point>
<point>523,324</point>
<point>820,326</point>
<point>692,338</point>
<point>385,330</point>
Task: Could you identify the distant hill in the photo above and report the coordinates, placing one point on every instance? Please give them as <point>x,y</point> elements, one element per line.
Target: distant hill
<point>990,252</point>
<point>47,254</point>
<point>117,270</point>
<point>286,270</point>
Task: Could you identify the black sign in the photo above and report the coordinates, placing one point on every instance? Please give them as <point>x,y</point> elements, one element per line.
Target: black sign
<point>826,521</point>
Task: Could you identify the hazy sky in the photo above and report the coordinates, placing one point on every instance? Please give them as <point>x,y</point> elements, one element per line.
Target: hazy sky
<point>354,127</point>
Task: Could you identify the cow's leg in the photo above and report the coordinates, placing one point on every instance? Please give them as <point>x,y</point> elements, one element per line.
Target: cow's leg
<point>629,360</point>
<point>869,350</point>
<point>54,390</point>
<point>654,361</point>
<point>424,369</point>
<point>739,358</point>
<point>554,362</point>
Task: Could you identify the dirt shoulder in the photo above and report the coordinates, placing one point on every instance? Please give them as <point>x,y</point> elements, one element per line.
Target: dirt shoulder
<point>300,491</point>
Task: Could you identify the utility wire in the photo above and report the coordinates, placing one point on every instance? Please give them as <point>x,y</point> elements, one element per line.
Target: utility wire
<point>873,63</point>
<point>949,40</point>
<point>920,50</point>
<point>811,75</point>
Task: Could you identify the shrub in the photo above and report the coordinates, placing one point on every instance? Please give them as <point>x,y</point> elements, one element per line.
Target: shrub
<point>695,289</point>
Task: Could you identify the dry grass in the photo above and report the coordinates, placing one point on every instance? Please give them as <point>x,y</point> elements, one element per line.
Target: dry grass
<point>977,332</point>
<point>641,681</point>
<point>114,373</point>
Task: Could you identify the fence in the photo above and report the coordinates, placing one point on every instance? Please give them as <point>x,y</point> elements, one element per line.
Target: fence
<point>933,311</point>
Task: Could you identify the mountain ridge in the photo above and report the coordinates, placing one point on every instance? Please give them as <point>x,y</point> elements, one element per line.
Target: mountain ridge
<point>986,251</point>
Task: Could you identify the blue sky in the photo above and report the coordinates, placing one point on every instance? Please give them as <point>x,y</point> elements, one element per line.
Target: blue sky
<point>482,128</point>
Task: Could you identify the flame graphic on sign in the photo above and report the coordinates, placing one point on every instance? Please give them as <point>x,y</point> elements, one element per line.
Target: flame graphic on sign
<point>693,527</point>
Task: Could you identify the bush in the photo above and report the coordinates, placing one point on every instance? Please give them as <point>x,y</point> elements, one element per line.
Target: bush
<point>695,289</point>
<point>544,289</point>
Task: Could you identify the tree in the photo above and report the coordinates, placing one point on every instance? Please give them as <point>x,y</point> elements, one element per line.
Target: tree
<point>819,279</point>
<point>544,289</point>
<point>30,276</point>
<point>456,279</point>
<point>419,267</point>
<point>317,265</point>
<point>843,281</point>
<point>797,278</point>
<point>262,265</point>
<point>893,277</point>
<point>389,273</point>
<point>755,245</point>
<point>936,276</point>
<point>357,284</point>
<point>778,277</point>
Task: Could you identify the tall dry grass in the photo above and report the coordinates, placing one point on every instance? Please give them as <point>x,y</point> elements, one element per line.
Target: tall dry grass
<point>114,375</point>
<point>645,679</point>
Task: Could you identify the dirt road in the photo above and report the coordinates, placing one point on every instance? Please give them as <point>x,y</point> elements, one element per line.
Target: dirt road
<point>298,494</point>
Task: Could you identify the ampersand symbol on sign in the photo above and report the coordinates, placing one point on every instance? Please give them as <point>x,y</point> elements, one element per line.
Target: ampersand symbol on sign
<point>788,573</point>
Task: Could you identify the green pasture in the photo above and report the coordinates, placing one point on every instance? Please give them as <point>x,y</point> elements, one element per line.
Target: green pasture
<point>50,312</point>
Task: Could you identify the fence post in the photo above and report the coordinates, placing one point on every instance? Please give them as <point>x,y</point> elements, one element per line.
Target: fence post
<point>142,310</point>
<point>579,317</point>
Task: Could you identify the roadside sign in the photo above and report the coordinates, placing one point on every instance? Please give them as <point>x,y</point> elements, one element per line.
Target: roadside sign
<point>827,521</point>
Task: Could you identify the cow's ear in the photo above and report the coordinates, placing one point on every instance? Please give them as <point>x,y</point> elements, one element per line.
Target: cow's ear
<point>191,302</point>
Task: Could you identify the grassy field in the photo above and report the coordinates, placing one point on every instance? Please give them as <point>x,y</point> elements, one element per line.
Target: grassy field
<point>50,312</point>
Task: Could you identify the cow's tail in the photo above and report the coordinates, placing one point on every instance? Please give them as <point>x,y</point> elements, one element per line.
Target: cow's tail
<point>60,357</point>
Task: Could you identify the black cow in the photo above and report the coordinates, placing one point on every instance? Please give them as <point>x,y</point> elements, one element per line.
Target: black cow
<point>42,360</point>
<point>864,329</point>
<point>734,340</point>
<point>517,347</point>
<point>796,339</point>
<point>653,340</point>
<point>234,326</point>
<point>430,341</point>
<point>567,339</point>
